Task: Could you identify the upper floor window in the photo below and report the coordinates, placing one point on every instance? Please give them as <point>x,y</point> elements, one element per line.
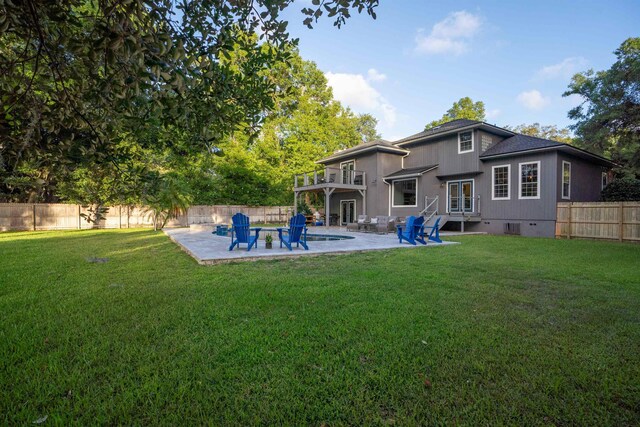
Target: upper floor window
<point>566,180</point>
<point>529,180</point>
<point>465,142</point>
<point>500,177</point>
<point>404,192</point>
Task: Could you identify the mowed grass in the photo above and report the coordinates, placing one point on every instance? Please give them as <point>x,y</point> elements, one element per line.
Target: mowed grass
<point>497,330</point>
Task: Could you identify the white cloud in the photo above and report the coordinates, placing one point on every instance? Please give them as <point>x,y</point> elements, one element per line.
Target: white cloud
<point>533,100</point>
<point>374,76</point>
<point>449,36</point>
<point>564,69</point>
<point>355,91</point>
<point>492,114</point>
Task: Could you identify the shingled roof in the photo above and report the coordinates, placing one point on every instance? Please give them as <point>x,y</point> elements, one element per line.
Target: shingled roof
<point>378,144</point>
<point>445,127</point>
<point>519,142</point>
<point>523,143</point>
<point>410,172</point>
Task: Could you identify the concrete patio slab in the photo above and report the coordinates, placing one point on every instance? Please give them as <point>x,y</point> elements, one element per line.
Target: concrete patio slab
<point>208,248</point>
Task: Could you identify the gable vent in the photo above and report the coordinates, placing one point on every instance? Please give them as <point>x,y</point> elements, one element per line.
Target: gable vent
<point>512,228</point>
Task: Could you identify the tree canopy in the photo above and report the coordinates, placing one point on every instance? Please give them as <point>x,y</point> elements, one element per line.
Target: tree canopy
<point>90,87</point>
<point>464,108</point>
<point>608,118</point>
<point>306,124</point>
<point>552,132</point>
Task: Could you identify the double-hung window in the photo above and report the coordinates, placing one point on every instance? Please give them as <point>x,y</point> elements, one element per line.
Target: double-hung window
<point>465,142</point>
<point>566,180</point>
<point>529,182</point>
<point>500,178</point>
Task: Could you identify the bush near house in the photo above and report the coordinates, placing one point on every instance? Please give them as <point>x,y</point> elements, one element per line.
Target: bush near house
<point>622,190</point>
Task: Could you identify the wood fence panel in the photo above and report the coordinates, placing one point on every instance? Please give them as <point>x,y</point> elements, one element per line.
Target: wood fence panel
<point>61,216</point>
<point>16,216</point>
<point>599,220</point>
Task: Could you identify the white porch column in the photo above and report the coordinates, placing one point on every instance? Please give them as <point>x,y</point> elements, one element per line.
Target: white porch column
<point>295,203</point>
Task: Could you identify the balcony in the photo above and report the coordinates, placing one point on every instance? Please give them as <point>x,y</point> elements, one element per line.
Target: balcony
<point>334,178</point>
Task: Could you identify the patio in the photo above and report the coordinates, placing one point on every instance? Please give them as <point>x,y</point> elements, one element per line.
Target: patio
<point>208,248</point>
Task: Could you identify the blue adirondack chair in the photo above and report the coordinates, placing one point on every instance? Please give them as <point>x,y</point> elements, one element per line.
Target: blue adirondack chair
<point>434,231</point>
<point>296,233</point>
<point>241,232</point>
<point>412,231</point>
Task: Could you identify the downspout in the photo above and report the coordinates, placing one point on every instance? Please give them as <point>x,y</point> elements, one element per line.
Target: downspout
<point>388,198</point>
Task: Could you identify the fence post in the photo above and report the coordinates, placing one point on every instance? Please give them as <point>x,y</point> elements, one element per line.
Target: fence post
<point>79,217</point>
<point>569,222</point>
<point>128,214</point>
<point>621,217</point>
<point>34,217</point>
<point>119,216</point>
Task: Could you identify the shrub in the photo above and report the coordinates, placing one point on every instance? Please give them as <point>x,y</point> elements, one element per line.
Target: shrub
<point>622,190</point>
<point>304,208</point>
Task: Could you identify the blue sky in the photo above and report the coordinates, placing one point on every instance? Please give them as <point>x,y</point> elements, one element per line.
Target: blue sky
<point>408,66</point>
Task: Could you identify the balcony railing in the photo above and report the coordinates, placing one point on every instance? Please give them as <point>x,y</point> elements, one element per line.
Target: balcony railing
<point>330,175</point>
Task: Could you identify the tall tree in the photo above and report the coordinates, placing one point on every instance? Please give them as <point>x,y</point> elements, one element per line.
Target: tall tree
<point>79,76</point>
<point>306,124</point>
<point>552,132</point>
<point>464,108</point>
<point>608,119</point>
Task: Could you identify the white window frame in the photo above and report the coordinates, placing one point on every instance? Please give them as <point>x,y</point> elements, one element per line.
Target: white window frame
<point>493,182</point>
<point>473,145</point>
<point>393,189</point>
<point>568,196</point>
<point>604,175</point>
<point>473,194</point>
<point>520,196</point>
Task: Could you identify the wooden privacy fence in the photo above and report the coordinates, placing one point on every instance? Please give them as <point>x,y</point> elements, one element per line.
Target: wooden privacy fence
<point>58,216</point>
<point>599,220</point>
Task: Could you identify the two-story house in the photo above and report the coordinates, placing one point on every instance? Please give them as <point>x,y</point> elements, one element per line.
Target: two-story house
<point>477,176</point>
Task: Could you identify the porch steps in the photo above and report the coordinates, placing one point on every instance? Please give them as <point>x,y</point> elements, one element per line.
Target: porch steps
<point>431,220</point>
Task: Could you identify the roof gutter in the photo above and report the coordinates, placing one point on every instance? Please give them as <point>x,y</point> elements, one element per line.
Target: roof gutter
<point>411,175</point>
<point>340,156</point>
<point>551,148</point>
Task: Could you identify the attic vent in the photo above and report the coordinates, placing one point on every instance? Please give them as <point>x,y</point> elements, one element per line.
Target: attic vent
<point>512,228</point>
<point>486,142</point>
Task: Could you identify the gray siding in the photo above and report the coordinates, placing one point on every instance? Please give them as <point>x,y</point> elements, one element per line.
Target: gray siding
<point>376,165</point>
<point>444,152</point>
<point>515,208</point>
<point>586,179</point>
<point>535,216</point>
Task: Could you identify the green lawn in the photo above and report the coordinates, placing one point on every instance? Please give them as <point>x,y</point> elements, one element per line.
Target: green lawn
<point>498,330</point>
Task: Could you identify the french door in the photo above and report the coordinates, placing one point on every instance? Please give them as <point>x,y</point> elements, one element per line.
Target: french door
<point>460,198</point>
<point>347,212</point>
<point>347,171</point>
